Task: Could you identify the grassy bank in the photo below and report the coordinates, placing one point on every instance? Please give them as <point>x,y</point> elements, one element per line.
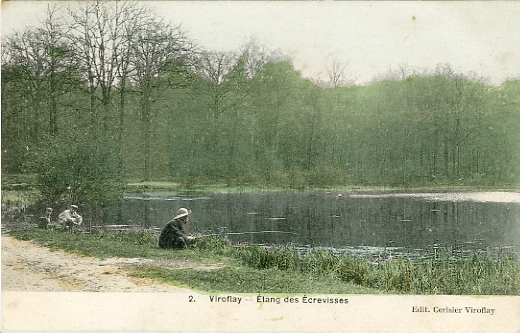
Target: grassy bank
<point>253,269</point>
<point>236,277</point>
<point>168,186</point>
<point>20,189</point>
<point>24,188</point>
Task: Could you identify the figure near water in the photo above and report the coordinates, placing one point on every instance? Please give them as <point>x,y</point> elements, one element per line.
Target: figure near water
<point>69,218</point>
<point>173,236</point>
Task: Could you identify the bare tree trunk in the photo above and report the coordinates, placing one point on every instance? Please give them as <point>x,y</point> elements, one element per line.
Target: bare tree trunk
<point>146,127</point>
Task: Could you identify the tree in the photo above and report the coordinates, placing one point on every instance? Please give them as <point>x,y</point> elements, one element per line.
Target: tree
<point>153,46</point>
<point>44,53</point>
<point>129,29</point>
<point>73,165</point>
<point>36,72</point>
<point>336,79</point>
<point>99,42</point>
<point>255,55</point>
<point>337,73</point>
<point>235,130</point>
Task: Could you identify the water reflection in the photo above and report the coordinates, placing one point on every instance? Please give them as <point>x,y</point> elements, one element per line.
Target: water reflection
<point>385,225</point>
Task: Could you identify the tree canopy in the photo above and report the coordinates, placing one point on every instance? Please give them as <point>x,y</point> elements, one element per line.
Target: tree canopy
<point>122,96</point>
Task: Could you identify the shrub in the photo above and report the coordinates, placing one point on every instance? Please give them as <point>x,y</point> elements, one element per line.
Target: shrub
<point>215,245</point>
<point>80,165</point>
<point>398,275</point>
<point>353,270</point>
<point>376,278</point>
<point>256,256</point>
<point>285,258</point>
<point>466,275</point>
<point>320,261</point>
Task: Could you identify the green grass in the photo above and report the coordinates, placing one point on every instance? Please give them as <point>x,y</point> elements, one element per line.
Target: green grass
<point>20,197</point>
<point>138,187</point>
<point>473,275</point>
<point>20,189</point>
<point>23,188</point>
<point>105,245</point>
<point>254,269</point>
<point>167,186</point>
<point>249,280</point>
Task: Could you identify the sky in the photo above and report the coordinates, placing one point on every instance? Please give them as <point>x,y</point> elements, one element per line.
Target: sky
<point>370,38</point>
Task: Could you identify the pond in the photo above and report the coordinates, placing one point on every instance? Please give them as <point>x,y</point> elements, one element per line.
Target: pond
<point>354,223</point>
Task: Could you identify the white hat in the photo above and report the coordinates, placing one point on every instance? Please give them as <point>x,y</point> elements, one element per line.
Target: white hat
<point>182,212</point>
<point>74,206</point>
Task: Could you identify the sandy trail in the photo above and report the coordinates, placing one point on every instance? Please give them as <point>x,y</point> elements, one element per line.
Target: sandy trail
<point>27,266</point>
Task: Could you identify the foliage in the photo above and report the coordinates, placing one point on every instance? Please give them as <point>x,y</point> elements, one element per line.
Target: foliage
<point>80,166</point>
<point>426,131</point>
<point>214,245</point>
<point>286,259</point>
<point>398,275</point>
<point>346,269</point>
<point>353,270</point>
<point>153,107</point>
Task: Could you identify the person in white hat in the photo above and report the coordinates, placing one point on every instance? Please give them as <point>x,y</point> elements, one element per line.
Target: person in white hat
<point>172,235</point>
<point>70,218</point>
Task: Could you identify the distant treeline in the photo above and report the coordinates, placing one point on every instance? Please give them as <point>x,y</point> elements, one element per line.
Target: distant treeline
<point>89,114</point>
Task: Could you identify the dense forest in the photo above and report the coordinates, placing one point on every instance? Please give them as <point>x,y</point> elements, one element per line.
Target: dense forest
<point>109,93</point>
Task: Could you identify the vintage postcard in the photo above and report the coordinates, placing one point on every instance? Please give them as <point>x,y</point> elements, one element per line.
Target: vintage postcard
<point>215,166</point>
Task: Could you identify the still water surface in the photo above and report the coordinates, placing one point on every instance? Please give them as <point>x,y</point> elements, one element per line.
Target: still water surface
<point>360,225</point>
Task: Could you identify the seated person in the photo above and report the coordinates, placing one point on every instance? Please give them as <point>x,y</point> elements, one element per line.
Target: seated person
<point>45,221</point>
<point>172,235</point>
<point>70,218</point>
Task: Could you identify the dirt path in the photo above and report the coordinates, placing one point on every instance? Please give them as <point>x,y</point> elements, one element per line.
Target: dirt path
<point>27,266</point>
